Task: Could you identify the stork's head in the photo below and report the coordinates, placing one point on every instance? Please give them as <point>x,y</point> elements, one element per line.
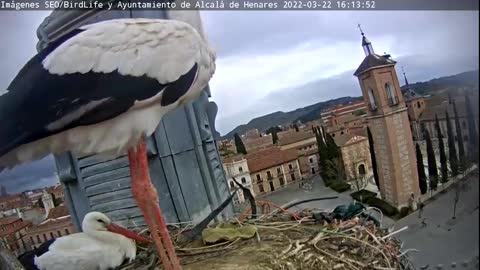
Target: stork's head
<point>97,222</point>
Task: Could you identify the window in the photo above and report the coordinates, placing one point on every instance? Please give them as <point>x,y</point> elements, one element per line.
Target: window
<point>290,166</point>
<point>282,182</point>
<point>361,169</point>
<point>259,180</point>
<point>313,170</point>
<point>333,134</point>
<point>51,234</point>
<point>244,180</point>
<point>269,175</point>
<point>59,233</point>
<point>232,185</point>
<point>292,176</point>
<point>66,231</point>
<point>279,171</point>
<point>31,240</point>
<point>311,160</point>
<point>45,237</point>
<point>392,98</point>
<point>272,188</point>
<point>240,169</point>
<point>341,132</point>
<point>418,105</point>
<point>260,188</point>
<point>371,99</point>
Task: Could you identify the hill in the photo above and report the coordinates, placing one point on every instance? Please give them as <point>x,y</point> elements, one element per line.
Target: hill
<point>304,114</point>
<point>468,80</point>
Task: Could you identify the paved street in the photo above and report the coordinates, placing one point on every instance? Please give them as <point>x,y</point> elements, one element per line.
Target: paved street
<point>293,192</point>
<point>442,241</point>
<point>445,240</point>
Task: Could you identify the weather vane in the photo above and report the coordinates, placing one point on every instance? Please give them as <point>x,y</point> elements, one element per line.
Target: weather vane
<point>403,71</point>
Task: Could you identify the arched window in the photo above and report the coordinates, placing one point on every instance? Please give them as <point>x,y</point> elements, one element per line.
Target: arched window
<point>361,169</point>
<point>244,180</point>
<point>240,169</point>
<point>392,99</point>
<point>371,99</point>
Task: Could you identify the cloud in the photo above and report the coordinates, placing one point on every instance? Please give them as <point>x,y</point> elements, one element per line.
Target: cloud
<point>31,175</point>
<point>267,59</point>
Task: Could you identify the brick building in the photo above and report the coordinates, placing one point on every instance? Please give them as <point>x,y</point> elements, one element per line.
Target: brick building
<point>57,224</point>
<point>12,230</point>
<point>272,168</point>
<point>305,143</point>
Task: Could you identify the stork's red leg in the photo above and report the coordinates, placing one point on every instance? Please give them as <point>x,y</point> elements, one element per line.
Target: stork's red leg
<point>147,200</point>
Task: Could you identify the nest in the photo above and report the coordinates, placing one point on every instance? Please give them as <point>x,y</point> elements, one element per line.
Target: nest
<point>287,241</point>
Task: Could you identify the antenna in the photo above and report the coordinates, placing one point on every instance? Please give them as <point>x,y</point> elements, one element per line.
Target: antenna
<point>361,31</point>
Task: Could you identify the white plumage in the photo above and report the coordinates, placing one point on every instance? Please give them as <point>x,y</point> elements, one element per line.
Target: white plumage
<point>94,249</point>
<point>159,49</point>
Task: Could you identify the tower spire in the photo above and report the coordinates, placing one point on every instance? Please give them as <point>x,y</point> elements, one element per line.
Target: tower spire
<point>405,76</point>
<point>366,44</point>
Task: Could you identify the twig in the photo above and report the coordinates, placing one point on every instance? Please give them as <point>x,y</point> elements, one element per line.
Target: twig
<point>393,233</point>
<point>335,257</point>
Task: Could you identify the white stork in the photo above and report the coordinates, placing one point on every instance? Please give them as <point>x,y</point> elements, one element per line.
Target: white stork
<point>101,89</point>
<point>102,245</point>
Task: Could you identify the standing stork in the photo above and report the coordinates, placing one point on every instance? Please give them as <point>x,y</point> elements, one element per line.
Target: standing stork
<point>102,89</point>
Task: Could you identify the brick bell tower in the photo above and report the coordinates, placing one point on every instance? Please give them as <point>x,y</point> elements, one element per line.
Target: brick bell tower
<point>389,124</point>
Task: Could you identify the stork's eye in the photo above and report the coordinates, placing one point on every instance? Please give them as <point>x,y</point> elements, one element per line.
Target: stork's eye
<point>101,221</point>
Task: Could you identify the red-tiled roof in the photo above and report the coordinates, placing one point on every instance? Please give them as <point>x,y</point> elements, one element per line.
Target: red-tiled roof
<point>18,227</point>
<point>270,158</point>
<point>58,212</point>
<point>51,223</point>
<point>8,220</point>
<point>296,137</point>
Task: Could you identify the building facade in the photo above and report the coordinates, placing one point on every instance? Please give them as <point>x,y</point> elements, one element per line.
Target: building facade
<point>273,169</point>
<point>12,229</point>
<point>388,121</point>
<point>237,167</point>
<point>305,143</point>
<point>355,153</point>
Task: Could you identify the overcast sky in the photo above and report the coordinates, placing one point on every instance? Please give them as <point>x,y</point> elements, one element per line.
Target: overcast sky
<point>282,60</point>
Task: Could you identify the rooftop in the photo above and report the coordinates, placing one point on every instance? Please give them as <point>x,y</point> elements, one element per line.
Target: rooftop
<point>57,212</point>
<point>347,139</point>
<point>8,220</point>
<point>269,158</point>
<point>296,137</point>
<point>373,60</point>
<point>12,230</point>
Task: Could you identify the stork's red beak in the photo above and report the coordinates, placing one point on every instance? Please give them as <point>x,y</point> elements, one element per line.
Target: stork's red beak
<point>127,233</point>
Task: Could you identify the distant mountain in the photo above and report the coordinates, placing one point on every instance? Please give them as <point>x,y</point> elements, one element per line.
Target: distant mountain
<point>304,114</point>
<point>468,80</point>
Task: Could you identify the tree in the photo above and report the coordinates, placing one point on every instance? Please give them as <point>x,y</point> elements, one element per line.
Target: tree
<point>432,163</point>
<point>332,148</point>
<point>472,131</point>
<point>373,158</point>
<point>296,127</point>
<point>452,152</point>
<point>458,129</point>
<point>273,131</point>
<point>422,178</point>
<point>239,144</point>
<point>443,156</point>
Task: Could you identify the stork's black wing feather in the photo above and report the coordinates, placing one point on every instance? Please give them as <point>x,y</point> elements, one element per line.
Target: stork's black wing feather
<point>39,98</point>
<point>27,258</point>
